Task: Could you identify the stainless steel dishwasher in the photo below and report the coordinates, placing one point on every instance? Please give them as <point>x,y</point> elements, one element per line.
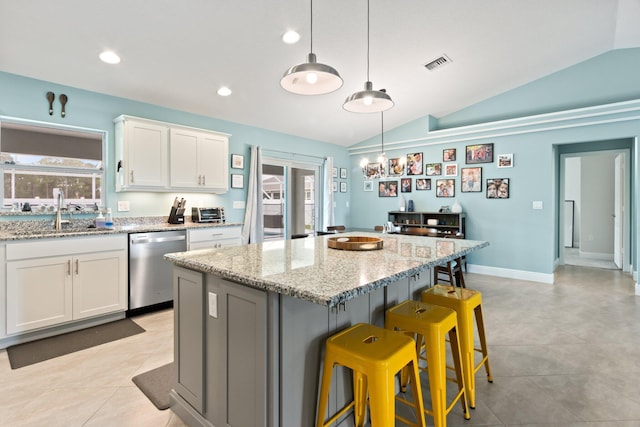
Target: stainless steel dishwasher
<point>150,276</point>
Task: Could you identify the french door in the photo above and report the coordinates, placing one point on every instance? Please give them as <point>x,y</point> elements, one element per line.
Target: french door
<point>290,198</point>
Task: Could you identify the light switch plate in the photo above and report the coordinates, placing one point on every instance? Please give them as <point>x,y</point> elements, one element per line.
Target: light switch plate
<point>123,206</point>
<point>537,205</point>
<point>213,305</point>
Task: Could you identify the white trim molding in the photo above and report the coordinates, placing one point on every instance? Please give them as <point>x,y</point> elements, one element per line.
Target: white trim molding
<point>531,276</point>
<point>580,117</point>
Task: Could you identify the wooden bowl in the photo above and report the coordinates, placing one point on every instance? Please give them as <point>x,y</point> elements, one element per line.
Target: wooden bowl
<point>355,243</point>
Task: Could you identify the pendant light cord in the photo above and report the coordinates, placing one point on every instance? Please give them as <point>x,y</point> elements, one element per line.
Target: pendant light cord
<point>311,14</point>
<point>382,130</point>
<point>368,35</point>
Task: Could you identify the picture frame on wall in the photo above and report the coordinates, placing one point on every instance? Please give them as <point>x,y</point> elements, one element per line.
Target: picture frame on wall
<point>451,169</point>
<point>414,164</point>
<point>396,166</point>
<point>367,186</point>
<point>434,169</point>
<point>334,173</point>
<point>405,185</point>
<point>343,187</point>
<point>237,161</point>
<point>237,181</point>
<point>449,155</point>
<point>479,153</point>
<point>445,187</point>
<point>423,184</point>
<point>498,188</point>
<point>471,179</point>
<point>373,170</point>
<point>388,188</point>
<point>505,160</point>
<point>343,173</point>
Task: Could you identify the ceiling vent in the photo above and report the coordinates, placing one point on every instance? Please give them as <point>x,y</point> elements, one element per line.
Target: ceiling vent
<point>438,62</point>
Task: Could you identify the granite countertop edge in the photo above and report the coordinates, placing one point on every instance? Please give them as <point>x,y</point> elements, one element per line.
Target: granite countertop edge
<point>266,284</point>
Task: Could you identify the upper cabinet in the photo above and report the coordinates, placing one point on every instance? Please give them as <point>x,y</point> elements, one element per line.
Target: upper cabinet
<point>158,156</point>
<point>207,151</point>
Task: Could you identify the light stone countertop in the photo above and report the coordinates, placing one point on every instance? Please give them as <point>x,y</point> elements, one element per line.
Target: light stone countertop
<point>42,229</point>
<point>307,269</point>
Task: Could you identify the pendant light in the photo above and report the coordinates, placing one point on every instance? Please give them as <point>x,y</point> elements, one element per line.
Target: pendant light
<point>368,100</point>
<point>311,77</point>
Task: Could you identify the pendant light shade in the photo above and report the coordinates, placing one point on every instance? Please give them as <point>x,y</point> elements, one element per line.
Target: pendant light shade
<point>311,78</point>
<point>368,100</point>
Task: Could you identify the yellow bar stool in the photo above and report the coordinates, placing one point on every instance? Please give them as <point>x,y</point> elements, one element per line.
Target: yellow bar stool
<point>468,304</point>
<point>375,355</point>
<point>431,324</point>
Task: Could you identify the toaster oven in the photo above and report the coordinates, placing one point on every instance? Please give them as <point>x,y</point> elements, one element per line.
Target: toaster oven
<point>207,215</point>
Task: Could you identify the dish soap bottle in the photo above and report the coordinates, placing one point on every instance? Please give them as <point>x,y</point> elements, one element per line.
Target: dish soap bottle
<point>100,220</point>
<point>108,220</point>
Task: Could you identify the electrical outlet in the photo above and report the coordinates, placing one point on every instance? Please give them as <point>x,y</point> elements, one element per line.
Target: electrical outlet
<point>123,206</point>
<point>238,204</point>
<point>537,205</point>
<point>213,305</point>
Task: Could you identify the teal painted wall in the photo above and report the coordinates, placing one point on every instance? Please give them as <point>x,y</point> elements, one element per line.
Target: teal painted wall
<point>24,98</point>
<point>604,79</point>
<point>520,237</point>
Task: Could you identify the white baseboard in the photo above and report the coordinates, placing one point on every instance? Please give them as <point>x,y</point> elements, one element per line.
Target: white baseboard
<point>511,274</point>
<point>597,255</point>
<point>637,289</point>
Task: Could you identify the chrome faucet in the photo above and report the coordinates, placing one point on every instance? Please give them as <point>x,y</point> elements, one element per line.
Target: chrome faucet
<point>59,221</point>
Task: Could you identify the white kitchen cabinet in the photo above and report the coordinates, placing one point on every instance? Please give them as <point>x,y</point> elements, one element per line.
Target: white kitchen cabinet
<point>213,237</point>
<point>55,281</point>
<point>141,150</point>
<point>207,151</point>
<point>164,157</point>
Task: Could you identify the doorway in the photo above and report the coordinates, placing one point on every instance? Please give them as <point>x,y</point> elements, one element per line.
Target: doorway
<point>290,198</point>
<point>593,218</point>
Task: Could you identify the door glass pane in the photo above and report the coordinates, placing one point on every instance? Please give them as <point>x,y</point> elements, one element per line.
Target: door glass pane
<point>273,198</point>
<point>302,201</point>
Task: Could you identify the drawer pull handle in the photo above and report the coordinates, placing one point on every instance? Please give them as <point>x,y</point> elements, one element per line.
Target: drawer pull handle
<point>77,267</point>
<point>69,267</point>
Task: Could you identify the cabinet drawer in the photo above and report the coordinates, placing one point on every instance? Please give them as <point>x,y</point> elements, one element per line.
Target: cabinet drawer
<point>213,233</point>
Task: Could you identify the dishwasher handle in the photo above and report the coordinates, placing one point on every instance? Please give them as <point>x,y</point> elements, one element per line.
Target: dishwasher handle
<point>146,239</point>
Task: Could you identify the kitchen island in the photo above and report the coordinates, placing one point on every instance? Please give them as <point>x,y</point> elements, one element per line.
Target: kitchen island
<point>251,321</point>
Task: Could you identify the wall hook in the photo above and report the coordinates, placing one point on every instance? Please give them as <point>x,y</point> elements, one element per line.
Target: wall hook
<point>51,96</point>
<point>63,101</point>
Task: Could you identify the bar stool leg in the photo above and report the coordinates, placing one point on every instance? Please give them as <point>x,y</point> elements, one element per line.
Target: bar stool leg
<point>381,400</point>
<point>483,341</point>
<point>457,364</point>
<point>437,381</point>
<point>327,372</point>
<point>360,398</point>
<point>417,393</point>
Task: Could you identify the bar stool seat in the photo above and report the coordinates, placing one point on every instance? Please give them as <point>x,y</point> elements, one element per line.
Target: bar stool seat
<point>375,355</point>
<point>431,324</point>
<point>468,304</point>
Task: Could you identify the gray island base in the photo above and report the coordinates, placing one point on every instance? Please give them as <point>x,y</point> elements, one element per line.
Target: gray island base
<point>251,321</point>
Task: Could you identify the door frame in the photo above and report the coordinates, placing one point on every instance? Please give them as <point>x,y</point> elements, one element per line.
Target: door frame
<point>625,243</point>
<point>318,182</point>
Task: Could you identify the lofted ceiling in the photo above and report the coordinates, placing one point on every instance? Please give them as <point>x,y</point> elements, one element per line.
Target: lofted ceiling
<point>177,53</point>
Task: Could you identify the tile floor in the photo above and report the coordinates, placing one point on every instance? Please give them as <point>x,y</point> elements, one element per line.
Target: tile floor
<point>561,355</point>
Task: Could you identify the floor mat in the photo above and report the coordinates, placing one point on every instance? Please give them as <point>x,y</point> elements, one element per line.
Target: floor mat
<point>156,385</point>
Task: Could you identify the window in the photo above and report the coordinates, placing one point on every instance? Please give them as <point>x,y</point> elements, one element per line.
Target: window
<point>39,162</point>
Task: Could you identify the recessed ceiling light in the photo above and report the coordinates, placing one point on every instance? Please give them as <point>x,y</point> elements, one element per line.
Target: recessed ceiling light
<point>110,57</point>
<point>290,37</point>
<point>224,91</point>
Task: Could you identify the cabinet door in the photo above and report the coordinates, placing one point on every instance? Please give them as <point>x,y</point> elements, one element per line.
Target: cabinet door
<point>238,379</point>
<point>146,154</point>
<point>99,284</point>
<point>189,336</point>
<point>184,158</point>
<point>213,162</point>
<point>40,293</point>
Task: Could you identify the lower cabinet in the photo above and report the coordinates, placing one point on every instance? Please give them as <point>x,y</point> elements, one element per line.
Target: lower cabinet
<point>60,280</point>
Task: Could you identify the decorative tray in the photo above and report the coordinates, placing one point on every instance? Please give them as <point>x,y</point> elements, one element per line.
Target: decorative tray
<point>355,243</point>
